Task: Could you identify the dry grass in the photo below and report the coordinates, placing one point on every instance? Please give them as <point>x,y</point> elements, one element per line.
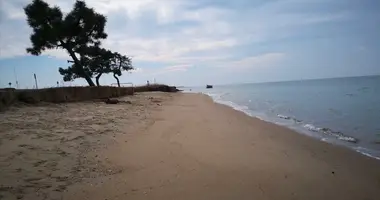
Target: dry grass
<point>72,94</point>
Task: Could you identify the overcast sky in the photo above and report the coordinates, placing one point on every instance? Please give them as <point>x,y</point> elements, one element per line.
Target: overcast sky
<point>195,42</point>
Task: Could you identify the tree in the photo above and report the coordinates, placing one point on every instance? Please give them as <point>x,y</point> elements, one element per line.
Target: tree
<point>100,63</point>
<point>95,61</point>
<point>80,29</point>
<point>72,72</point>
<point>120,63</point>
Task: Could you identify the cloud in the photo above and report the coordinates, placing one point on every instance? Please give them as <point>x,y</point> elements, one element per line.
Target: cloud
<point>174,68</point>
<point>173,32</point>
<point>165,49</point>
<point>149,72</point>
<point>263,60</point>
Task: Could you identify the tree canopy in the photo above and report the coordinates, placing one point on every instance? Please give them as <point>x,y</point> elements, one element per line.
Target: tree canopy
<point>98,61</point>
<point>120,63</point>
<point>79,32</point>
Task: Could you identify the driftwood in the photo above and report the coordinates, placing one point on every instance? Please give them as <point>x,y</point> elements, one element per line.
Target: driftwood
<point>111,101</point>
<point>116,101</point>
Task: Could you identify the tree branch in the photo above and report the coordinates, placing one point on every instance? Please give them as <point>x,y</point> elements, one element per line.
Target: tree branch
<point>91,31</point>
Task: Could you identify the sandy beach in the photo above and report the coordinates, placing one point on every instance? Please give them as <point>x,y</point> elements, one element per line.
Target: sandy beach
<point>170,146</point>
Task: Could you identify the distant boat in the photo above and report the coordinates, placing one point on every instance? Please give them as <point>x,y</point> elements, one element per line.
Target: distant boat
<point>208,86</point>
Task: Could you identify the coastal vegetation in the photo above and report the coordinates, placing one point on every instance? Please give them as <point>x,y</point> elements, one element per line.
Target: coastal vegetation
<point>80,32</point>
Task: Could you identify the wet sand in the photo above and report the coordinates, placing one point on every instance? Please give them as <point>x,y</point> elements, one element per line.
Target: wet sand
<point>170,146</point>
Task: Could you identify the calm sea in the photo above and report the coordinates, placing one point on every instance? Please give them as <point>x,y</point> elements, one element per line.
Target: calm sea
<point>343,111</point>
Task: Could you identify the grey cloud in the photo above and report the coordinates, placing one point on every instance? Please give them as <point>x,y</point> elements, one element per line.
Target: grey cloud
<point>172,31</point>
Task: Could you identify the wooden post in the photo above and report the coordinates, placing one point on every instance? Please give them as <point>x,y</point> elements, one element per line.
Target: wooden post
<point>35,79</point>
<point>14,71</point>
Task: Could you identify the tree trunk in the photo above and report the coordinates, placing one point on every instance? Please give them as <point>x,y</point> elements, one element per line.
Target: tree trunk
<point>97,79</point>
<point>80,67</point>
<point>117,79</point>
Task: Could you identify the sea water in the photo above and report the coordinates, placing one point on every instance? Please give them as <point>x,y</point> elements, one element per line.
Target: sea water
<point>343,111</point>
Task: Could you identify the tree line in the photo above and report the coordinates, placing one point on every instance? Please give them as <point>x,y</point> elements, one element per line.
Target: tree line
<point>80,33</point>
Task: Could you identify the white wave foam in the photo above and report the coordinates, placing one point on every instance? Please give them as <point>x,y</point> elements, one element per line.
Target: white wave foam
<point>235,106</point>
<point>325,140</point>
<point>348,139</point>
<point>283,117</point>
<point>311,127</point>
<point>338,135</point>
<point>288,118</point>
<point>366,152</point>
<point>242,108</point>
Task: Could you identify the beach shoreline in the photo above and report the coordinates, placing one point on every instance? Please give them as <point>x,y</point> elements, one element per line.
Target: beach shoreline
<point>184,146</point>
<point>308,129</point>
<point>291,129</point>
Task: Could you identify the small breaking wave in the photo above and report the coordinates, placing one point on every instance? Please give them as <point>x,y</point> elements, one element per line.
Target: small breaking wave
<point>217,97</point>
<point>337,134</point>
<point>311,127</point>
<point>288,118</point>
<point>367,152</point>
<point>283,117</point>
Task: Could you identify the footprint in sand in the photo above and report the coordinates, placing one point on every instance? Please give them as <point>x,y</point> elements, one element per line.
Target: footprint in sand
<point>28,146</point>
<point>32,179</point>
<point>38,163</point>
<point>60,188</point>
<point>18,152</point>
<point>61,152</point>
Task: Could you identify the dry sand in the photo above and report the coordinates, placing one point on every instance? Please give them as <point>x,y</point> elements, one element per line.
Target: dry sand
<point>170,146</point>
<point>46,148</point>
